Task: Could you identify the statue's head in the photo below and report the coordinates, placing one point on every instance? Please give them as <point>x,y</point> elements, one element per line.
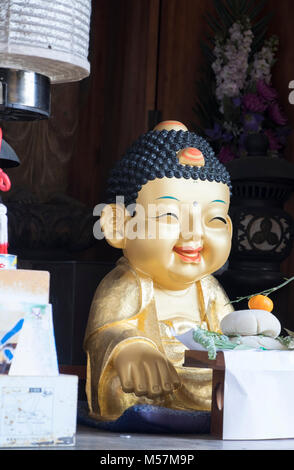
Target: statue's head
<point>168,207</point>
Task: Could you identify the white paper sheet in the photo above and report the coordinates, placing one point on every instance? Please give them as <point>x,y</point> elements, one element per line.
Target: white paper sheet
<point>24,285</point>
<point>35,354</point>
<point>258,395</point>
<point>188,341</point>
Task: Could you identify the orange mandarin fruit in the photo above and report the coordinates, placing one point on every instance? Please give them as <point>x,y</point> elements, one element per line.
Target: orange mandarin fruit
<point>261,302</point>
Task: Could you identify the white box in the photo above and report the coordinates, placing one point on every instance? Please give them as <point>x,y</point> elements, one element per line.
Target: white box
<point>258,395</point>
<point>38,411</point>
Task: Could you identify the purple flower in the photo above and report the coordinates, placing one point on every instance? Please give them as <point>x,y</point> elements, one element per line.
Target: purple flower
<point>237,101</point>
<point>274,143</point>
<point>226,155</point>
<point>252,121</point>
<point>254,103</point>
<point>276,114</point>
<point>266,91</point>
<point>227,137</point>
<point>215,133</point>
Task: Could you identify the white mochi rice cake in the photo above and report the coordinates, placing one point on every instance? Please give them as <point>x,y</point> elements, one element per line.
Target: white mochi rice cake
<point>252,327</point>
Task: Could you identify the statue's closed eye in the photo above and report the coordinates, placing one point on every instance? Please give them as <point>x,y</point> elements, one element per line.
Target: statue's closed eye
<point>167,214</point>
<point>219,218</point>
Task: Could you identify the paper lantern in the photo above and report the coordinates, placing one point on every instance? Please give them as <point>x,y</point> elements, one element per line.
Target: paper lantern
<point>41,43</point>
<point>50,38</point>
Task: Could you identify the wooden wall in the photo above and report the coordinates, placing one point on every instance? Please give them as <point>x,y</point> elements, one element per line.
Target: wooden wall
<point>119,92</point>
<point>145,55</point>
<point>45,147</point>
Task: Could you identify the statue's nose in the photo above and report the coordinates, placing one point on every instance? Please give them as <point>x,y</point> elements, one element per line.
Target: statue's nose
<point>191,223</point>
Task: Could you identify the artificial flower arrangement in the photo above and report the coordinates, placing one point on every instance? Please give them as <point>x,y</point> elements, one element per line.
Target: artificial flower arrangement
<point>240,98</point>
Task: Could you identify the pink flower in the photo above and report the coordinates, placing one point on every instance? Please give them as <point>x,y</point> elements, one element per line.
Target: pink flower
<point>276,114</point>
<point>226,155</point>
<point>254,103</point>
<point>274,143</point>
<point>266,91</point>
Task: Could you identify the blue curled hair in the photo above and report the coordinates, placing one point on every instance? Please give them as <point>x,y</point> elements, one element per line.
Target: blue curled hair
<point>153,155</point>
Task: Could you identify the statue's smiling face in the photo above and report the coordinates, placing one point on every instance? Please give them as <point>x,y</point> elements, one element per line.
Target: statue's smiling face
<point>187,230</point>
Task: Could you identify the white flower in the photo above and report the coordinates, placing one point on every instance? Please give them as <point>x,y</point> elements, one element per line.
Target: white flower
<point>263,62</point>
<point>231,62</point>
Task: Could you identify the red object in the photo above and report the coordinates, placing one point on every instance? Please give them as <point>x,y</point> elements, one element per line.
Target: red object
<point>5,183</point>
<point>4,248</point>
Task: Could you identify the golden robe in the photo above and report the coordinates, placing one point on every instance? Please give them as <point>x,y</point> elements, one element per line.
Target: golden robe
<point>123,311</point>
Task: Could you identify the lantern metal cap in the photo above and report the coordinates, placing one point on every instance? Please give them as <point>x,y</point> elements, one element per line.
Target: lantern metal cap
<point>24,95</point>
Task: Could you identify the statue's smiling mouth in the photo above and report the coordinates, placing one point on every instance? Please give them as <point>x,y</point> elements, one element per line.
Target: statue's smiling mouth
<point>188,253</point>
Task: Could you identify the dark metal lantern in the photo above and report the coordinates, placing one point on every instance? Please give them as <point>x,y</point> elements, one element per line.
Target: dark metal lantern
<point>24,95</point>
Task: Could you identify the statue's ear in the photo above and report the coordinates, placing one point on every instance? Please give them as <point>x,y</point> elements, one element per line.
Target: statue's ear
<point>112,222</point>
<point>230,225</point>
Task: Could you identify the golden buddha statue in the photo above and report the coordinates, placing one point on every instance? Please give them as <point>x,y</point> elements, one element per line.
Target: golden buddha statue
<point>174,231</point>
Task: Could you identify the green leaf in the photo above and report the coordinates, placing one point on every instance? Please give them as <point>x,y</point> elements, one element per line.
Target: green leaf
<point>245,6</point>
<point>240,8</point>
<point>256,9</point>
<point>215,25</point>
<point>262,24</point>
<point>231,112</point>
<point>290,333</point>
<point>257,44</point>
<point>223,13</point>
<point>233,6</point>
<point>206,341</point>
<point>211,341</point>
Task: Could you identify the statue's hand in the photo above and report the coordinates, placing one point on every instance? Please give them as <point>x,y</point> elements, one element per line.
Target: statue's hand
<point>145,371</point>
